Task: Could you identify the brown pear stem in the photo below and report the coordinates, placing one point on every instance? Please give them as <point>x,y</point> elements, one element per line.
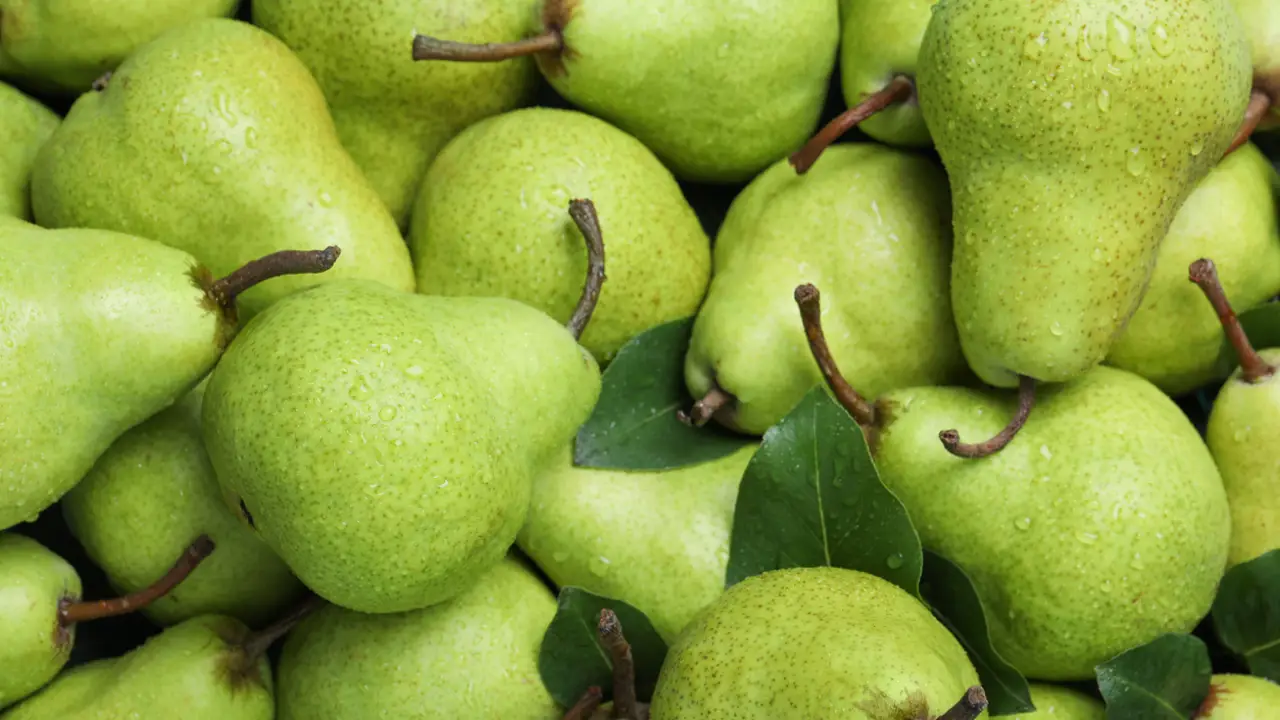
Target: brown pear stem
<point>429,48</point>
<point>899,89</point>
<point>70,612</point>
<point>1252,367</point>
<point>1260,103</point>
<point>584,216</point>
<point>102,82</point>
<point>969,707</point>
<point>809,300</point>
<point>258,643</point>
<point>586,705</point>
<point>624,668</point>
<point>285,262</point>
<point>706,408</point>
<point>1026,401</point>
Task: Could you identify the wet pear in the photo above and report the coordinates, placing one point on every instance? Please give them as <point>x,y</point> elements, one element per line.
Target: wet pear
<point>1262,24</point>
<point>1054,702</point>
<point>27,124</point>
<point>1239,697</point>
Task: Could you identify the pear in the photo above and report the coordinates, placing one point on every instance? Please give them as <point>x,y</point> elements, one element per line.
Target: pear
<point>393,114</point>
<point>474,656</point>
<point>149,492</point>
<point>62,46</point>
<point>717,91</point>
<point>28,124</point>
<point>1239,697</point>
<point>508,178</point>
<point>222,121</point>
<point>1262,23</point>
<point>864,211</point>
<point>1174,339</point>
<point>658,541</point>
<point>1033,108</point>
<point>40,606</point>
<point>1053,702</point>
<point>813,642</point>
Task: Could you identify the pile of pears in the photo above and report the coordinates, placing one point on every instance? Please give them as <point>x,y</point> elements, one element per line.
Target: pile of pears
<point>303,304</point>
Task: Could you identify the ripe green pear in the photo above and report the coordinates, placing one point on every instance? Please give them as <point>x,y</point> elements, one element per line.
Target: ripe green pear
<point>658,541</point>
<point>474,656</point>
<point>813,642</point>
<point>225,124</point>
<point>385,443</point>
<point>27,124</point>
<point>64,45</point>
<point>879,40</point>
<point>1054,702</point>
<point>393,114</point>
<point>36,645</point>
<point>1043,114</point>
<point>507,179</point>
<point>1102,525</point>
<point>1239,697</point>
<point>1174,339</point>
<point>1262,24</point>
<point>876,215</point>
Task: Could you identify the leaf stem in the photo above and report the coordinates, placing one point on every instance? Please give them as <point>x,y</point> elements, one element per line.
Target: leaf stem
<point>899,89</point>
<point>584,216</point>
<point>1252,367</point>
<point>430,48</point>
<point>624,668</point>
<point>1260,103</point>
<point>71,612</point>
<point>809,300</point>
<point>1026,401</point>
<point>586,705</point>
<point>969,707</point>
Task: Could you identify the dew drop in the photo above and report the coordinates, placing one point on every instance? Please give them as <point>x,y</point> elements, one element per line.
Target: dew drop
<point>1242,434</point>
<point>251,137</point>
<point>1136,162</point>
<point>1056,329</point>
<point>1137,563</point>
<point>1097,254</point>
<point>225,147</point>
<point>970,237</point>
<point>1119,38</point>
<point>360,391</point>
<point>1034,46</point>
<point>326,199</point>
<point>1105,586</point>
<point>1197,147</point>
<point>1022,523</point>
<point>1160,40</point>
<point>598,565</point>
<point>413,371</point>
<point>1083,48</point>
<point>559,556</point>
<point>1044,452</point>
<point>387,413</point>
<point>1104,100</point>
<point>894,561</point>
<point>1087,538</point>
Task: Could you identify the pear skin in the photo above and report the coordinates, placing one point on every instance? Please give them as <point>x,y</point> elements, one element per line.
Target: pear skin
<point>35,647</point>
<point>28,124</point>
<point>879,40</point>
<point>1239,697</point>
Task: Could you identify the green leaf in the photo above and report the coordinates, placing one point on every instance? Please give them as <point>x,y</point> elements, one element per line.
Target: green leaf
<point>811,497</point>
<point>634,425</point>
<point>1166,679</point>
<point>950,594</point>
<point>1246,613</point>
<point>572,658</point>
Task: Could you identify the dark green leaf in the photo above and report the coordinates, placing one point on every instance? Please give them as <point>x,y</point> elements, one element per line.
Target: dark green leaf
<point>1262,325</point>
<point>950,593</point>
<point>572,658</point>
<point>1166,679</point>
<point>1246,613</point>
<point>634,425</point>
<point>811,497</point>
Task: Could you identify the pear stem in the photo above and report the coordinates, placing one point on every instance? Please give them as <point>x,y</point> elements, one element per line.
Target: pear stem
<point>70,612</point>
<point>102,82</point>
<point>1252,367</point>
<point>969,707</point>
<point>899,89</point>
<point>809,301</point>
<point>258,643</point>
<point>1026,401</point>
<point>624,667</point>
<point>706,408</point>
<point>586,705</point>
<point>285,262</point>
<point>429,48</point>
<point>1260,103</point>
<point>584,216</point>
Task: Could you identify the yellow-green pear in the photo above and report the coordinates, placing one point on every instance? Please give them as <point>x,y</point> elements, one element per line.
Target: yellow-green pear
<point>1262,24</point>
<point>27,125</point>
<point>880,41</point>
<point>1054,702</point>
<point>1239,697</point>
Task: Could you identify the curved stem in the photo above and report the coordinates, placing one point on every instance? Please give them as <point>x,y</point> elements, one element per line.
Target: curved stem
<point>1252,367</point>
<point>706,408</point>
<point>899,89</point>
<point>258,643</point>
<point>584,216</point>
<point>1260,103</point>
<point>70,612</point>
<point>969,707</point>
<point>586,705</point>
<point>624,668</point>
<point>285,262</point>
<point>809,301</point>
<point>1026,401</point>
<point>429,48</point>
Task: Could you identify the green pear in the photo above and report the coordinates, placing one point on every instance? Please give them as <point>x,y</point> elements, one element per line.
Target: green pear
<point>393,114</point>
<point>224,123</point>
<point>385,443</point>
<point>864,211</point>
<point>1101,526</point>
<point>813,642</point>
<point>151,491</point>
<point>658,541</point>
<point>1239,697</point>
<point>1054,702</point>
<point>717,91</point>
<point>1045,116</point>
<point>28,124</point>
<point>474,656</point>
<point>1262,24</point>
<point>64,45</point>
<point>507,179</point>
<point>1174,339</point>
<point>880,40</point>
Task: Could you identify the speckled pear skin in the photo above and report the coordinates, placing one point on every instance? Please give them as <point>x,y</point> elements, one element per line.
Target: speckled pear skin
<point>385,443</point>
<point>64,45</point>
<point>224,123</point>
<point>866,212</point>
<point>27,125</point>
<point>35,580</point>
<point>850,645</point>
<point>658,541</point>
<point>881,39</point>
<point>1032,120</point>
<point>718,91</point>
<point>1262,24</point>
<point>98,332</point>
<point>1175,338</point>
<point>1239,697</point>
<point>194,670</point>
<point>1054,702</point>
<point>475,656</point>
<point>394,114</point>
<point>1101,526</point>
<point>149,495</point>
<point>1241,433</point>
<point>509,179</point>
